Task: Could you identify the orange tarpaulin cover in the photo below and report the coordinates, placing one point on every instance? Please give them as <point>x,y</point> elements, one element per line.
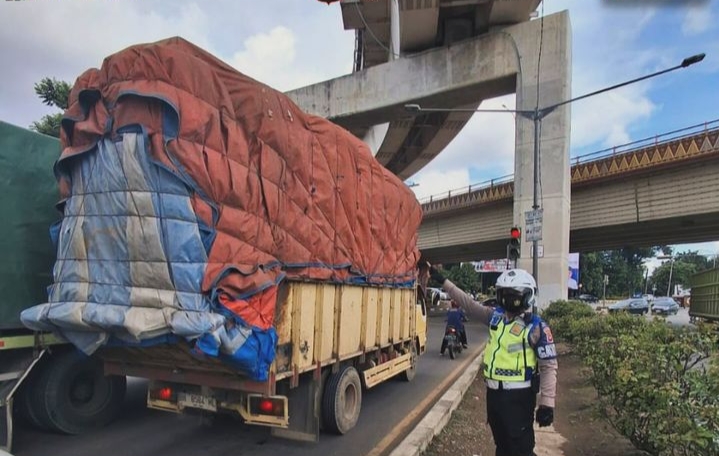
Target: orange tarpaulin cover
<point>281,192</point>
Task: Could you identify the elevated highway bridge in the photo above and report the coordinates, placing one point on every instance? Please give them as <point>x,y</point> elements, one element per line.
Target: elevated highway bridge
<point>663,190</point>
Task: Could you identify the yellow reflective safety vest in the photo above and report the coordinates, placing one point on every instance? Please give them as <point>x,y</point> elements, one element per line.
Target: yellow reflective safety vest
<point>508,356</point>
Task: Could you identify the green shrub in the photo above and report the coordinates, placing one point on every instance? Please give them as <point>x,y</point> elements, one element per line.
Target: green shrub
<point>562,315</point>
<point>658,385</point>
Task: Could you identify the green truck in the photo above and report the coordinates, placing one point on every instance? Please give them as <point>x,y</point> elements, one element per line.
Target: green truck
<point>704,303</point>
<point>43,381</point>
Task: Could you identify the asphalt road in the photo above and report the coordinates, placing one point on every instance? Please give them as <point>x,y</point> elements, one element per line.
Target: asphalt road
<point>389,411</point>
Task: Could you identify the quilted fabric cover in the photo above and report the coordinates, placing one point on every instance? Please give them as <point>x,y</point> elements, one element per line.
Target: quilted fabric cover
<point>190,191</point>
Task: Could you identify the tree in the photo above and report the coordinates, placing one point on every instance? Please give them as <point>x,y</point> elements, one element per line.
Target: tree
<point>685,266</point>
<point>464,276</point>
<point>53,93</point>
<point>625,268</point>
<point>591,273</point>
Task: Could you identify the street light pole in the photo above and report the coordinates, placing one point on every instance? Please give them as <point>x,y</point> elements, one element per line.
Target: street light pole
<point>671,269</point>
<point>537,114</point>
<point>535,200</point>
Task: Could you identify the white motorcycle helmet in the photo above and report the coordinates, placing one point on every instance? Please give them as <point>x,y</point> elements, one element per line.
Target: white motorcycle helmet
<point>516,290</point>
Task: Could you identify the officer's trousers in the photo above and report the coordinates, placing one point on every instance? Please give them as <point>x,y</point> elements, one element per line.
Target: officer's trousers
<point>510,414</point>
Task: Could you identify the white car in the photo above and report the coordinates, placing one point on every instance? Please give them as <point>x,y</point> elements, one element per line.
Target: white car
<point>436,295</point>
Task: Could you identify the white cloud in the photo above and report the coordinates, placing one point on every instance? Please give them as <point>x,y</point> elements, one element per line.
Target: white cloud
<point>272,58</point>
<point>436,182</point>
<point>63,39</point>
<point>267,56</point>
<point>605,119</point>
<point>697,20</point>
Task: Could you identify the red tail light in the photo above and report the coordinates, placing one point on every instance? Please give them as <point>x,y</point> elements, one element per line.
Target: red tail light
<point>451,330</point>
<point>266,406</point>
<point>165,394</point>
<point>263,405</point>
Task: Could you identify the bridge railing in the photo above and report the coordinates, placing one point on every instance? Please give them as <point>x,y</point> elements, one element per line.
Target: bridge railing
<point>468,189</point>
<point>651,141</point>
<point>627,148</point>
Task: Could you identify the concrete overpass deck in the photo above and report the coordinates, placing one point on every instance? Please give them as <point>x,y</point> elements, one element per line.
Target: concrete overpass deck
<point>661,191</point>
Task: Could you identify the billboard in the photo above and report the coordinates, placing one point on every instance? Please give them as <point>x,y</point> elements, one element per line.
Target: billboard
<point>573,281</point>
<point>490,265</point>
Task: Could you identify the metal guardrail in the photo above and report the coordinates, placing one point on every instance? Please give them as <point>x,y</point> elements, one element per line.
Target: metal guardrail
<point>468,189</point>
<point>628,148</point>
<point>654,141</point>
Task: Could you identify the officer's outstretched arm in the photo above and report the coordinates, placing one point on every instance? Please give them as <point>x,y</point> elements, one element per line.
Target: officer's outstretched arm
<point>473,308</point>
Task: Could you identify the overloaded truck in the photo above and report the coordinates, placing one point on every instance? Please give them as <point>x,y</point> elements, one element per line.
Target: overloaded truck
<point>42,378</point>
<point>242,255</point>
<point>704,302</point>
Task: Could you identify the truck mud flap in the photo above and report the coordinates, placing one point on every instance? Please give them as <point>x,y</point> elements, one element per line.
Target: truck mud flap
<point>304,411</point>
<point>15,366</point>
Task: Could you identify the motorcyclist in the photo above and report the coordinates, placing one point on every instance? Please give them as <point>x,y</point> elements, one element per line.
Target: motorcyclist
<point>519,360</point>
<point>456,319</point>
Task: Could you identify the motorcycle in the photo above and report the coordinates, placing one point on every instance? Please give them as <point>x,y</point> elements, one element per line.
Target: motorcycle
<point>452,338</point>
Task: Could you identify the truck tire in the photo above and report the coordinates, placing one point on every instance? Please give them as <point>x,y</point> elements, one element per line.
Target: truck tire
<point>72,395</point>
<point>342,400</point>
<point>25,405</point>
<point>409,374</point>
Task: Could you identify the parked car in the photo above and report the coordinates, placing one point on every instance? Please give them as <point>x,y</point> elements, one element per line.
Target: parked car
<point>588,298</point>
<point>665,306</point>
<point>632,305</point>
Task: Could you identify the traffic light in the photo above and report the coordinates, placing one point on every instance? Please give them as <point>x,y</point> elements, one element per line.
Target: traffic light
<point>515,241</point>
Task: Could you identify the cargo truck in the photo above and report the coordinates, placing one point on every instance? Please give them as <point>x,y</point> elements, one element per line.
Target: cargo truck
<point>42,378</point>
<point>243,256</point>
<point>704,303</point>
<point>334,341</point>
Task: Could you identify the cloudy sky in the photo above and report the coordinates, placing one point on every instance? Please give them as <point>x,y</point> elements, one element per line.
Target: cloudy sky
<point>292,43</point>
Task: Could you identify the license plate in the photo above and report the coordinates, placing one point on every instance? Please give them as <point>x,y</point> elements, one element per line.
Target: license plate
<point>197,401</point>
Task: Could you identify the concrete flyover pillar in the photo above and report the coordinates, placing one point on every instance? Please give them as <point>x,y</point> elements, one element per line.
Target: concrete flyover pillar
<point>555,195</point>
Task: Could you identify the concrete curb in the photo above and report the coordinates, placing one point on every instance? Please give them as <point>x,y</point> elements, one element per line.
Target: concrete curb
<point>437,418</point>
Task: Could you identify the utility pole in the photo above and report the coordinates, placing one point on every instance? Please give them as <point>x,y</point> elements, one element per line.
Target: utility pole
<point>536,115</point>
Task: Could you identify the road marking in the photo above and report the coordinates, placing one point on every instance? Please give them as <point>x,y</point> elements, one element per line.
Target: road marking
<point>401,429</point>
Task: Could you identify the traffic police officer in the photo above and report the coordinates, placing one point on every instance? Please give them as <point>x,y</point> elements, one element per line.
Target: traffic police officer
<point>519,360</point>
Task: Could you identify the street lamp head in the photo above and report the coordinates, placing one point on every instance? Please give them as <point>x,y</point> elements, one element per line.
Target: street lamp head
<point>413,107</point>
<point>693,59</point>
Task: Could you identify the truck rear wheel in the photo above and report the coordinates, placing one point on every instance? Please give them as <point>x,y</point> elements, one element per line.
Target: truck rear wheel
<point>72,395</point>
<point>409,374</point>
<point>25,400</point>
<point>342,400</point>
